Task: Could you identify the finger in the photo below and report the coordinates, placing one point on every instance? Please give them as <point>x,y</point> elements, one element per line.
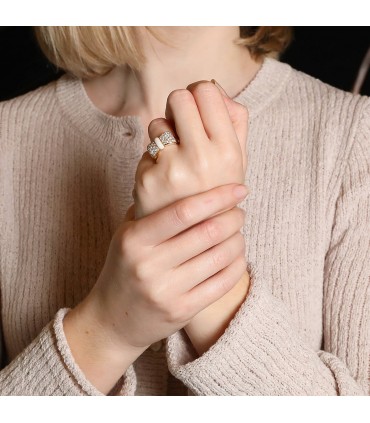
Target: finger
<point>215,287</point>
<point>201,237</point>
<point>240,124</point>
<point>213,112</point>
<point>185,213</point>
<point>182,112</point>
<point>239,117</point>
<point>158,126</point>
<point>234,108</point>
<point>210,262</point>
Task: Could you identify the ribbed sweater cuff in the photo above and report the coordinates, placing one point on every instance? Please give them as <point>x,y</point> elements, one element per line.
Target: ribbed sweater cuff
<point>125,386</point>
<point>260,353</point>
<point>46,367</point>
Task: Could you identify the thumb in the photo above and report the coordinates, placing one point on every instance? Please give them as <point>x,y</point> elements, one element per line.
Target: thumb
<point>239,118</point>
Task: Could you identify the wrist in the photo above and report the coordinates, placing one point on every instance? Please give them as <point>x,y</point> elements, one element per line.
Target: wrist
<point>207,326</point>
<point>101,357</point>
<point>96,334</point>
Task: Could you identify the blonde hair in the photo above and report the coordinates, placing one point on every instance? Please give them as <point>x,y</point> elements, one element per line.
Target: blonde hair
<point>90,51</point>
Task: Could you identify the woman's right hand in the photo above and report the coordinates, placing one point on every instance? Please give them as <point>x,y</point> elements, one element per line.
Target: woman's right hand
<point>160,271</point>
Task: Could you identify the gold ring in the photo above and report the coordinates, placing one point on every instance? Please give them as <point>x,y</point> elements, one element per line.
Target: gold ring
<point>154,147</point>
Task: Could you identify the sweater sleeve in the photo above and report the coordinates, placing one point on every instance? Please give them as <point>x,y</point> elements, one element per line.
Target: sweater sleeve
<point>261,351</point>
<point>46,367</point>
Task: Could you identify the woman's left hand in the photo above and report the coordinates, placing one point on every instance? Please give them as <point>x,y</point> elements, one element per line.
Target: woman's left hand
<point>212,130</point>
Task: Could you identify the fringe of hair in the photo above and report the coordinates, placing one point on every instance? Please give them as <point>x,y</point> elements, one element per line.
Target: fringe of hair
<point>90,51</point>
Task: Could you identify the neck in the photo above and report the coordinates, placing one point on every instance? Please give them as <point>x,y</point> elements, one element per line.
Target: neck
<point>196,53</point>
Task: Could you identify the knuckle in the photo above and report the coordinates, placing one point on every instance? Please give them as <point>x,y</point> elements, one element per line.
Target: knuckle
<point>175,176</point>
<point>224,284</point>
<point>219,258</point>
<point>176,314</point>
<point>144,183</point>
<point>220,287</point>
<point>180,96</point>
<point>154,300</point>
<point>141,271</point>
<point>124,239</point>
<point>212,230</point>
<point>227,282</point>
<point>182,213</point>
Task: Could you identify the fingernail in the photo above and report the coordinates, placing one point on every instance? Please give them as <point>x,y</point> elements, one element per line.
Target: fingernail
<point>220,88</point>
<point>240,191</point>
<point>196,83</point>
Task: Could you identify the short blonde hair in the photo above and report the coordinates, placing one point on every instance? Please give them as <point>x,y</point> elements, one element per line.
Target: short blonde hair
<point>90,51</point>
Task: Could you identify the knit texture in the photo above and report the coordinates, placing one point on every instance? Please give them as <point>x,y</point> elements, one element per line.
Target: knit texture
<point>66,177</point>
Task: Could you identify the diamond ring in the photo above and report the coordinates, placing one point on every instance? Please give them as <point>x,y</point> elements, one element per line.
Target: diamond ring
<point>154,147</point>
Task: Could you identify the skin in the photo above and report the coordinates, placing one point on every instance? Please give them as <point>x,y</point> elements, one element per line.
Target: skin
<point>217,134</point>
<point>195,56</point>
<point>182,222</point>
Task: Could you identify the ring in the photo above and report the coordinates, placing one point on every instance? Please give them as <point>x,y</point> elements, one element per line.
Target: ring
<point>154,147</point>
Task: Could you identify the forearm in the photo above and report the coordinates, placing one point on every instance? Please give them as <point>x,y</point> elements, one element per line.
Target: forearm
<point>207,326</point>
<point>101,360</point>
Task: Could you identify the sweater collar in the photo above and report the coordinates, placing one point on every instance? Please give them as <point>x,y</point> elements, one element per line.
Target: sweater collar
<point>117,130</point>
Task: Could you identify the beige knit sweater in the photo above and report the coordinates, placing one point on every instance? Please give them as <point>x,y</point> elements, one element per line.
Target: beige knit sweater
<point>66,175</point>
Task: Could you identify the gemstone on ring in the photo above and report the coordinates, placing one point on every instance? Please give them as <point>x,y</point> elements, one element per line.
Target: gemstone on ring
<point>160,142</point>
<point>153,149</point>
<point>168,138</point>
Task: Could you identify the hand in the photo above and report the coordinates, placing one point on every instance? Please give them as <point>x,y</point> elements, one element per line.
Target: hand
<point>212,130</point>
<point>144,292</point>
<point>144,288</point>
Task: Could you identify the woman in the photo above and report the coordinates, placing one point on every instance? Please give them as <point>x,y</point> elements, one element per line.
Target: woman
<point>166,296</point>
